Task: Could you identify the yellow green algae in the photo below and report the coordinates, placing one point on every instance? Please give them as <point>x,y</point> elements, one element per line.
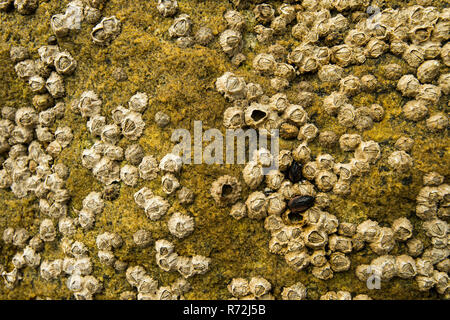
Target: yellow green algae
<point>180,82</point>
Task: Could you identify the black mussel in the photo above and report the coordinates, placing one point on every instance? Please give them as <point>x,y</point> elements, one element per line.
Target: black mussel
<point>294,173</point>
<point>301,203</point>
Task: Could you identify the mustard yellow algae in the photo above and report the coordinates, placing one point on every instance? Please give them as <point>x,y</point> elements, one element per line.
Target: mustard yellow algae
<point>180,82</point>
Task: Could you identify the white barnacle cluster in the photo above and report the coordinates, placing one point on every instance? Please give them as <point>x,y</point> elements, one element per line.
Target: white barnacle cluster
<point>93,205</point>
<point>77,12</point>
<point>89,11</point>
<point>149,289</point>
<point>168,260</point>
<point>343,295</point>
<point>104,157</point>
<point>106,243</point>
<point>182,26</point>
<point>256,288</point>
<point>24,7</point>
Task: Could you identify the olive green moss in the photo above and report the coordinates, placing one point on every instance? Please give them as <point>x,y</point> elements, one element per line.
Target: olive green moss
<point>180,82</point>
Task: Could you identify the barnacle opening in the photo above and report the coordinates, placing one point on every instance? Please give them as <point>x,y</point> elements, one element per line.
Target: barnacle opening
<point>258,115</point>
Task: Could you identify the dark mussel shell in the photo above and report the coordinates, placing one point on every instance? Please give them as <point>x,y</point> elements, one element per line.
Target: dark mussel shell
<point>294,173</point>
<point>301,203</point>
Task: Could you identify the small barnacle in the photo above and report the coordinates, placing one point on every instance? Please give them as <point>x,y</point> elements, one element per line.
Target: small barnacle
<point>235,20</point>
<point>26,7</point>
<point>413,56</point>
<point>339,262</point>
<point>142,196</point>
<point>156,207</point>
<point>347,115</point>
<point>279,25</point>
<point>231,86</point>
<point>95,125</point>
<point>415,110</point>
<point>253,174</point>
<point>408,85</point>
<point>384,241</point>
<point>148,168</point>
<point>204,36</point>
<point>110,134</point>
<point>333,102</point>
<point>350,85</point>
<point>171,163</point>
<point>368,230</point>
<point>404,143</point>
<point>180,225</point>
<point>58,23</point>
<point>288,131</point>
<point>254,91</point>
<point>26,69</point>
<point>239,287</point>
<point>415,247</point>
<point>64,136</point>
<point>167,8</point>
<point>86,218</point>
<point>264,13</point>
<point>226,190</point>
<point>47,231</point>
<point>308,132</point>
<point>106,171</point>
<point>429,94</point>
<point>169,183</point>
<point>93,202</point>
<point>264,63</point>
<point>138,102</point>
<point>185,195</point>
<point>26,117</point>
<point>302,153</point>
<point>433,179</point>
<point>445,54</point>
<point>233,118</point>
<point>162,119</point>
<point>295,292</point>
<point>119,114</point>
<point>66,226</point>
<point>184,266</point>
<point>444,83</point>
<point>91,15</point>
<point>50,270</point>
<point>135,275</point>
<point>436,228</point>
<point>37,84</point>
<point>18,53</point>
<point>342,55</point>
<point>428,71</point>
<point>325,180</point>
<point>323,273</point>
<point>400,161</point>
<point>106,31</point>
<point>437,122</point>
<point>181,26</point>
<point>142,238</point>
<point>164,248</point>
<point>263,34</point>
<point>200,264</point>
<point>54,148</point>
<point>89,158</point>
<point>330,73</point>
<point>256,205</point>
<point>297,260</point>
<point>402,229</point>
<point>132,125</point>
<point>129,175</point>
<point>64,63</point>
<point>295,114</point>
<point>238,211</point>
<point>106,257</point>
<point>406,267</point>
<point>368,151</point>
<point>55,85</point>
<point>231,42</point>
